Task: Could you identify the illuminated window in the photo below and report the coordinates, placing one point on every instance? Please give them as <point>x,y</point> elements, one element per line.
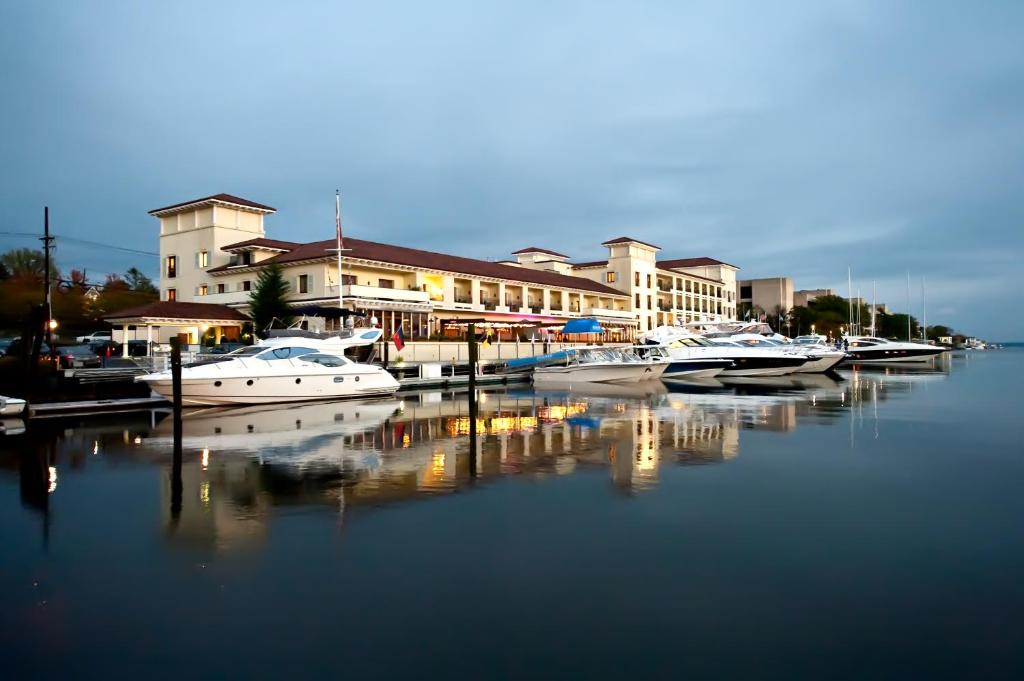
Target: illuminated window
<point>636,279</point>
<point>648,281</point>
<point>203,289</point>
<point>610,277</point>
<point>171,268</point>
<point>172,294</point>
<point>203,259</point>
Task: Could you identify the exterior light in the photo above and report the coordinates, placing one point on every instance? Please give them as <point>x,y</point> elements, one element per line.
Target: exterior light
<point>52,324</point>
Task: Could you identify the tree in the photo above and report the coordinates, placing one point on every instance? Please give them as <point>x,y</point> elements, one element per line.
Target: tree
<point>138,281</point>
<point>939,331</point>
<point>4,272</point>
<point>269,300</point>
<point>27,263</point>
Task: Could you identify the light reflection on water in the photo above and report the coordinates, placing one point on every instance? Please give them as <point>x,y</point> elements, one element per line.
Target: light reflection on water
<point>241,465</point>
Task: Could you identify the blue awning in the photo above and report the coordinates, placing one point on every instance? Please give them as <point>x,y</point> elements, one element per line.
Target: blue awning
<point>582,326</point>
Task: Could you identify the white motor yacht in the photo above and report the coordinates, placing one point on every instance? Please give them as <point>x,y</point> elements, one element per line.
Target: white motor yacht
<point>285,368</point>
<point>746,361</point>
<point>820,356</point>
<point>869,349</point>
<point>683,369</point>
<point>600,365</point>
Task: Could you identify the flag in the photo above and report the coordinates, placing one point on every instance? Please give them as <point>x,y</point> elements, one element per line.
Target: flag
<point>337,220</point>
<point>398,339</point>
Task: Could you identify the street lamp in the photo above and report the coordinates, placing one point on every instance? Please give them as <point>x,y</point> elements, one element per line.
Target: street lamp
<point>52,324</point>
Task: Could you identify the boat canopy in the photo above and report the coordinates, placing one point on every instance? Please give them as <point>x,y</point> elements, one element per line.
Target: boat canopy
<point>582,326</point>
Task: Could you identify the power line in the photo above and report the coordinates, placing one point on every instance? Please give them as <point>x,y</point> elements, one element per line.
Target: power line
<point>87,242</point>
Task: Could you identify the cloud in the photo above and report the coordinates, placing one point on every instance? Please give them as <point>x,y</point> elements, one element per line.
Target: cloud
<point>791,138</point>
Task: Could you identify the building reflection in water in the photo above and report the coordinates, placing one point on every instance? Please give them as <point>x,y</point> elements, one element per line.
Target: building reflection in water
<point>241,465</point>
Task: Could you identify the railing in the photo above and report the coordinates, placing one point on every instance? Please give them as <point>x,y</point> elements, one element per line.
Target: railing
<point>463,299</point>
<point>357,291</point>
<point>608,312</point>
<point>226,298</point>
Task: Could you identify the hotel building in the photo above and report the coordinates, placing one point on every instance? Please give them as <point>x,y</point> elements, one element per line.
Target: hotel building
<point>213,249</point>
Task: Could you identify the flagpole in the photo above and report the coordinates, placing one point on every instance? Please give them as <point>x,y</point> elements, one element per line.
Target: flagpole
<point>337,234</point>
<point>849,301</point>
<point>908,307</point>
<point>924,314</point>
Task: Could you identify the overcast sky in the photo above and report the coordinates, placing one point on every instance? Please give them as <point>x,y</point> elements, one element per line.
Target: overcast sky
<point>787,138</point>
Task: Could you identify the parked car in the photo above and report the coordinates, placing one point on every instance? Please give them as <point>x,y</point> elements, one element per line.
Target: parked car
<point>78,357</point>
<point>224,348</point>
<point>16,348</point>
<point>95,337</point>
<point>4,344</point>
<point>109,348</point>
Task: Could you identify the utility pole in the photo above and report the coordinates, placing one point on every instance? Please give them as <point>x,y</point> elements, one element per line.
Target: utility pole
<point>47,302</point>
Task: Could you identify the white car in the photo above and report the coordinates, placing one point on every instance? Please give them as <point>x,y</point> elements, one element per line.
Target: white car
<point>95,337</point>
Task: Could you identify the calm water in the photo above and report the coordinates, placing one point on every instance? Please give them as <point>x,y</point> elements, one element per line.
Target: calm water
<point>871,527</point>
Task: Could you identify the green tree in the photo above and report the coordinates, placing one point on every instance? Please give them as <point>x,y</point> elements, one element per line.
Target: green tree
<point>269,300</point>
<point>138,281</point>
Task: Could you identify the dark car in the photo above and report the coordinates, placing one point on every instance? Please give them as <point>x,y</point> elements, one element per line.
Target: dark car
<point>225,348</point>
<point>16,348</point>
<point>78,357</point>
<point>136,348</point>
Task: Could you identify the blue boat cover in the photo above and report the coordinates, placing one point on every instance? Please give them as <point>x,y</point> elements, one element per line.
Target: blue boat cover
<point>582,326</point>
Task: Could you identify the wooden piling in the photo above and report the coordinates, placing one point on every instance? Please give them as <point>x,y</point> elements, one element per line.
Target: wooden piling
<point>471,340</point>
<point>176,485</point>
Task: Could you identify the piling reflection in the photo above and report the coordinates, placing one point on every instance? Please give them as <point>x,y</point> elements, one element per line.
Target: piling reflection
<point>240,466</point>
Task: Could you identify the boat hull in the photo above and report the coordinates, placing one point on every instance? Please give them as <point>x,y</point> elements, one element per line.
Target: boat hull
<point>764,366</point>
<point>819,364</point>
<point>695,368</point>
<point>895,356</point>
<point>270,390</point>
<point>599,373</point>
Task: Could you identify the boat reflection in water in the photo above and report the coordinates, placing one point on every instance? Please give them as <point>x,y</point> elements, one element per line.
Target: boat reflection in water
<point>243,466</point>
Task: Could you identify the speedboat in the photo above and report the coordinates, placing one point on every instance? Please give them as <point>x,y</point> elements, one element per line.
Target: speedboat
<point>683,369</point>
<point>869,349</point>
<point>283,368</point>
<point>820,356</point>
<point>11,406</point>
<point>746,361</point>
<point>600,365</point>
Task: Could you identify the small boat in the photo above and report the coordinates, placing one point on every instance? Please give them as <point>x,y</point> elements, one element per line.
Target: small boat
<point>287,367</point>
<point>869,349</point>
<point>599,365</point>
<point>12,406</point>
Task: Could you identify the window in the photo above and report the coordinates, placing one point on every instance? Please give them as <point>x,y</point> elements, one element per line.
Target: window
<point>246,285</point>
<point>303,283</point>
<point>220,288</point>
<point>637,301</point>
<point>648,281</point>
<point>386,283</point>
<point>348,279</point>
<point>171,267</point>
<point>172,294</point>
<point>203,289</point>
<point>203,259</point>
<point>610,277</point>
<point>649,302</point>
<point>285,352</point>
<point>746,291</point>
<point>703,289</point>
<point>636,280</point>
<point>246,258</point>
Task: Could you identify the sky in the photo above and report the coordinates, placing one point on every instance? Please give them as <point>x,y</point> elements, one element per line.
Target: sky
<point>788,138</point>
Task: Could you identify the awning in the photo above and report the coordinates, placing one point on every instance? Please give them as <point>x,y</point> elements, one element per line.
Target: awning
<point>582,326</point>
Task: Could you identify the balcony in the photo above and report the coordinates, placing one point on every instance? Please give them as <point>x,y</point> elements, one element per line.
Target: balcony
<point>379,293</point>
<point>226,298</point>
<point>609,313</point>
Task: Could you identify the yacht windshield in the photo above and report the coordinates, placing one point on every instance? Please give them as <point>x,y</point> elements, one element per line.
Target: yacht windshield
<point>284,352</point>
<point>245,352</point>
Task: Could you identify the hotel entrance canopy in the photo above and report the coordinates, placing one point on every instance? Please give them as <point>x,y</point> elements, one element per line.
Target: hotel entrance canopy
<point>189,316</point>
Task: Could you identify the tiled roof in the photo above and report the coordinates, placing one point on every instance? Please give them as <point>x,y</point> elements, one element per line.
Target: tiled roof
<point>626,240</point>
<point>260,241</point>
<point>593,263</point>
<point>412,257</point>
<point>222,198</point>
<point>166,309</point>
<point>692,262</point>
<point>534,249</point>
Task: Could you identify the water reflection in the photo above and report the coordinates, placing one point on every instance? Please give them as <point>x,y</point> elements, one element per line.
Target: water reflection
<point>243,465</point>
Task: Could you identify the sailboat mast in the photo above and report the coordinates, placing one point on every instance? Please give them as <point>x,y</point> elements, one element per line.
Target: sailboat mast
<point>337,233</point>
<point>874,305</point>
<point>924,314</point>
<point>849,299</point>
<point>908,306</point>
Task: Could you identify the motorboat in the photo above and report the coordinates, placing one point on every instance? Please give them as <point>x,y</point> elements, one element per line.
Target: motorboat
<point>287,367</point>
<point>870,349</point>
<point>820,356</point>
<point>599,364</point>
<point>746,361</point>
<point>12,406</point>
<point>683,369</point>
